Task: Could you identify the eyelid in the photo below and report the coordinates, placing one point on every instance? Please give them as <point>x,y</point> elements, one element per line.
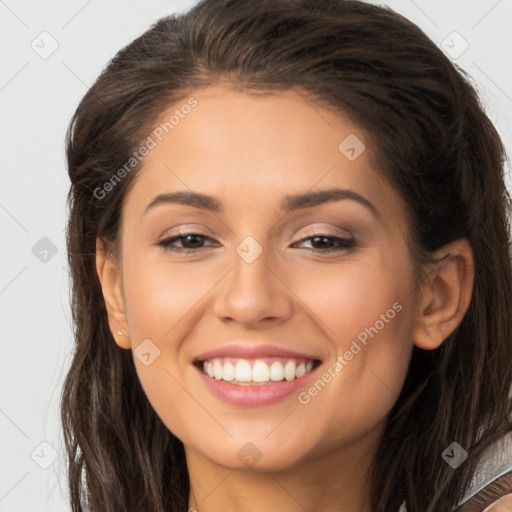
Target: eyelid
<point>327,232</point>
<point>187,230</point>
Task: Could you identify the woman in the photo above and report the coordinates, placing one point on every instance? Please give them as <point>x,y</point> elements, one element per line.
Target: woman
<point>289,245</point>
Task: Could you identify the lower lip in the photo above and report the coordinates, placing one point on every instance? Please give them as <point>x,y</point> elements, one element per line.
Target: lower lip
<point>256,395</point>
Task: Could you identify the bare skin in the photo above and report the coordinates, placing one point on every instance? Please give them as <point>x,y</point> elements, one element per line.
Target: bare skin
<point>502,505</point>
<point>249,152</point>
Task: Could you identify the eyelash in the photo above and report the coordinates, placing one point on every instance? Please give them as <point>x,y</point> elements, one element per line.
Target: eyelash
<point>345,244</point>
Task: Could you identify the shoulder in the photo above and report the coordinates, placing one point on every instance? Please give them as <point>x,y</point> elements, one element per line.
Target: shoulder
<point>492,480</point>
<point>494,497</point>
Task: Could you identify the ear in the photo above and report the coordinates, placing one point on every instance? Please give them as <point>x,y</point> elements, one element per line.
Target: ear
<point>109,273</point>
<point>446,294</point>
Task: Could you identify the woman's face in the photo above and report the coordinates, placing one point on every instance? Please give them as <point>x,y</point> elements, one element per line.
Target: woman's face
<point>312,284</point>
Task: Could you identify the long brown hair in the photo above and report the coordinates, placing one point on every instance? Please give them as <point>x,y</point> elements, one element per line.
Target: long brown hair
<point>433,143</point>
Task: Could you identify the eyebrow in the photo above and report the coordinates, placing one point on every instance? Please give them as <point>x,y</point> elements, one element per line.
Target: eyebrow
<point>288,204</point>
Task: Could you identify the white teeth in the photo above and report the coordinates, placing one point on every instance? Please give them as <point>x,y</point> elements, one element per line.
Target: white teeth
<point>289,370</point>
<point>260,371</point>
<point>243,371</point>
<point>217,369</point>
<point>228,371</point>
<point>276,371</point>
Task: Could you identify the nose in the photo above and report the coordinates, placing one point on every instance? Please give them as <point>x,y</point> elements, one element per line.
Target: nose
<point>254,292</point>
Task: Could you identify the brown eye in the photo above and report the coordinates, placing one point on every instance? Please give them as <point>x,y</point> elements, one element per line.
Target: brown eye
<point>325,243</point>
<point>191,242</point>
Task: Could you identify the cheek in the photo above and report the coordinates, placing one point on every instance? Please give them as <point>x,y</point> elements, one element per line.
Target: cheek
<point>350,299</point>
<point>160,295</point>
<point>159,299</point>
<point>163,303</point>
<point>366,313</point>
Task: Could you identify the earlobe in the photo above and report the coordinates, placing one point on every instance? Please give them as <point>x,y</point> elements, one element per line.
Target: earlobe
<point>446,294</point>
<point>109,274</point>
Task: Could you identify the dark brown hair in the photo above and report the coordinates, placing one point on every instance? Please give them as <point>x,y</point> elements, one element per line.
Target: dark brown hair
<point>433,143</point>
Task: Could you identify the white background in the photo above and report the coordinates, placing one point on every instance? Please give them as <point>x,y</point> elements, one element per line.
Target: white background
<point>37,99</point>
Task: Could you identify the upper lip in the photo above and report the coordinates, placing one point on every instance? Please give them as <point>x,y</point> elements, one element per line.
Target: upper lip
<point>252,351</point>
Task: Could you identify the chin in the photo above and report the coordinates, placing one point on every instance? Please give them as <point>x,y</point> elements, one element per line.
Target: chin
<point>254,455</point>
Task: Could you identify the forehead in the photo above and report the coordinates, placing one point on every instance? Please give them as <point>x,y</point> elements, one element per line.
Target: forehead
<point>257,147</point>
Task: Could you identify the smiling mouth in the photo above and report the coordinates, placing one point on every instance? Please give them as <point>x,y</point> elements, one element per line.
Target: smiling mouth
<point>261,371</point>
